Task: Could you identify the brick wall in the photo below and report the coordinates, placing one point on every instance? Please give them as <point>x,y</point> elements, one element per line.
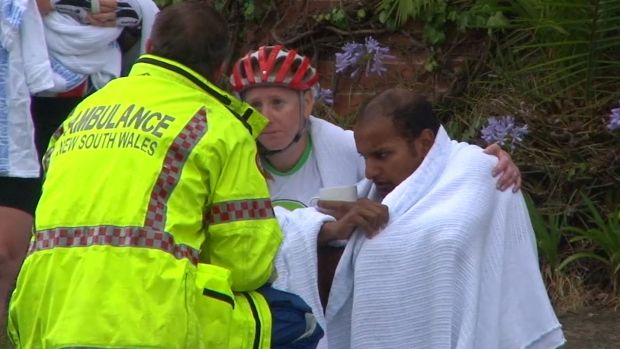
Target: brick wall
<point>406,69</point>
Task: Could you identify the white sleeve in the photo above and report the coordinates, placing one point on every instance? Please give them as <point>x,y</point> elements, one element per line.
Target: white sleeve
<point>37,67</point>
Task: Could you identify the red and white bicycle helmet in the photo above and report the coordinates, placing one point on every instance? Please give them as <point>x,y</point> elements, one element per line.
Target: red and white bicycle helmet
<point>273,65</point>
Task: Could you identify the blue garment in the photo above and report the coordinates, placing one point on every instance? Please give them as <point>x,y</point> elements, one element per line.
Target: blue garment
<point>11,15</point>
<point>293,324</point>
<point>4,111</point>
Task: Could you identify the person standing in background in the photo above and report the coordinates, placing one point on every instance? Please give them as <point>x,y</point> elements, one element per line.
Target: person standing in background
<point>89,43</point>
<point>24,70</point>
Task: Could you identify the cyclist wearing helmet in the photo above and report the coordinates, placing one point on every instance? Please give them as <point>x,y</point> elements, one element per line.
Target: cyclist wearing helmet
<point>303,153</point>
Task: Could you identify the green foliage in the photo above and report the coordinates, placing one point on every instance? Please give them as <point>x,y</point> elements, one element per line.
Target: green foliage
<point>337,17</point>
<point>438,16</point>
<point>164,3</point>
<point>541,69</point>
<point>250,10</point>
<point>395,13</point>
<point>548,230</point>
<point>604,235</point>
<point>482,15</point>
<point>571,47</point>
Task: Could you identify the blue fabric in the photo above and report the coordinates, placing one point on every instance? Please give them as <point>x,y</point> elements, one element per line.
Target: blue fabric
<point>4,112</point>
<point>11,15</point>
<point>71,78</point>
<point>293,324</point>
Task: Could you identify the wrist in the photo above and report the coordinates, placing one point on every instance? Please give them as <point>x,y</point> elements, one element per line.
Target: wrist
<point>327,233</point>
<point>45,7</point>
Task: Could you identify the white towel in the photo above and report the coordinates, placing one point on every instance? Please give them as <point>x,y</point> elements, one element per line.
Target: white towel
<point>85,50</point>
<point>79,51</point>
<point>24,70</point>
<point>339,162</point>
<point>149,11</point>
<point>296,263</point>
<point>454,268</point>
<point>11,15</point>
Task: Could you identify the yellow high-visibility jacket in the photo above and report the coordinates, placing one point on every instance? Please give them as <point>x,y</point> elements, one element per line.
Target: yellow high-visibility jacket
<point>154,213</point>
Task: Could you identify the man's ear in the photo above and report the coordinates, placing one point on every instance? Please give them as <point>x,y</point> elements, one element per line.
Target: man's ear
<point>148,46</point>
<point>220,73</point>
<point>424,142</point>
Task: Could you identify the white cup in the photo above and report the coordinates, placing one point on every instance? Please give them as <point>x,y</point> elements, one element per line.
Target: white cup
<point>343,193</point>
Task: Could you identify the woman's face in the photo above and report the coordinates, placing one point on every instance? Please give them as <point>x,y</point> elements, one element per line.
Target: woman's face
<point>390,157</point>
<point>281,107</point>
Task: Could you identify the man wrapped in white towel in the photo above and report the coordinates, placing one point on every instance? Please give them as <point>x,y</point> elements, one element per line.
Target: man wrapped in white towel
<point>437,257</point>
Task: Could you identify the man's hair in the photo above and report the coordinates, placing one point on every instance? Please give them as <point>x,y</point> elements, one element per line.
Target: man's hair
<point>409,112</point>
<point>191,33</point>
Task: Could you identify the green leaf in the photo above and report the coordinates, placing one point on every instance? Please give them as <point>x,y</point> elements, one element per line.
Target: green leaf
<point>497,21</point>
<point>361,13</point>
<point>248,10</point>
<point>430,64</point>
<point>580,255</point>
<point>383,16</point>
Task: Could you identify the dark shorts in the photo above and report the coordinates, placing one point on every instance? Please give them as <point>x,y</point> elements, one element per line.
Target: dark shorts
<point>48,113</point>
<point>20,193</point>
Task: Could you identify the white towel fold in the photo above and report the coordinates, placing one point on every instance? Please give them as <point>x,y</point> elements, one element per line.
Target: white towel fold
<point>11,15</point>
<point>85,50</point>
<point>454,268</point>
<point>24,70</point>
<point>149,11</point>
<point>296,263</point>
<point>338,159</point>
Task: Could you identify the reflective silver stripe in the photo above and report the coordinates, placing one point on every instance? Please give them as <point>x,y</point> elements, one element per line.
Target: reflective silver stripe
<point>175,159</point>
<point>108,235</point>
<point>152,235</point>
<point>240,210</point>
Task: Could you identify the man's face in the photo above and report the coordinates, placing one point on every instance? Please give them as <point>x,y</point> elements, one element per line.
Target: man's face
<point>390,157</point>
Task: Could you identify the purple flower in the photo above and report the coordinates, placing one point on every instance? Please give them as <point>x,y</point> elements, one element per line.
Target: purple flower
<point>503,130</point>
<point>377,54</point>
<point>349,57</point>
<point>326,96</point>
<point>614,119</point>
<point>370,56</point>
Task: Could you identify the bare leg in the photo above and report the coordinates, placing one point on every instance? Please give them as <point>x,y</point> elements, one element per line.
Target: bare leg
<point>15,228</point>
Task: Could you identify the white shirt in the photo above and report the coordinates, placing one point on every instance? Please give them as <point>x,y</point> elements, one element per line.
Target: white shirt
<point>297,187</point>
<point>28,72</point>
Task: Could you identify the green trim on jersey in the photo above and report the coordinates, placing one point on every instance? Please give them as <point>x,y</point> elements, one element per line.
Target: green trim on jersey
<point>290,205</point>
<point>299,164</point>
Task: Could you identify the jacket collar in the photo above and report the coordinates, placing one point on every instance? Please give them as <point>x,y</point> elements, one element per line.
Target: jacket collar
<point>253,121</point>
